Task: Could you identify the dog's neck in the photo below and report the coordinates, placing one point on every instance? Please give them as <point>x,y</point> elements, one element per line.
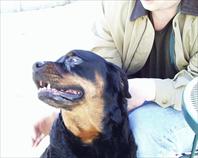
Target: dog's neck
<point>84,122</point>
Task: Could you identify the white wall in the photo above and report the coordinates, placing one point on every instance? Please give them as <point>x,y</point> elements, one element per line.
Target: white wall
<point>27,5</point>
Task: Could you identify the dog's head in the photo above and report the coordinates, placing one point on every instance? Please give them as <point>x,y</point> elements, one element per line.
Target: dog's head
<point>78,78</point>
<point>90,92</point>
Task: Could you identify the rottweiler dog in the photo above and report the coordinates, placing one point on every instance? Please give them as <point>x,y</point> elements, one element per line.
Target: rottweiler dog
<point>91,94</point>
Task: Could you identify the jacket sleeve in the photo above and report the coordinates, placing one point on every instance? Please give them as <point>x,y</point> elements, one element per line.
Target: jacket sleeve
<point>169,91</point>
<point>103,42</point>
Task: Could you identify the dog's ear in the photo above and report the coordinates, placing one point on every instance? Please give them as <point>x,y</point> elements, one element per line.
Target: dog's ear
<point>120,76</point>
<point>124,84</point>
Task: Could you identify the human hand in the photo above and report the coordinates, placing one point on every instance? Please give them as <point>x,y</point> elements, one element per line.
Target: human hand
<point>42,128</point>
<point>141,89</point>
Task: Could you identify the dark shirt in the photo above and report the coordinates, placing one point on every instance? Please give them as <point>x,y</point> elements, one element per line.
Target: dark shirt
<point>159,63</point>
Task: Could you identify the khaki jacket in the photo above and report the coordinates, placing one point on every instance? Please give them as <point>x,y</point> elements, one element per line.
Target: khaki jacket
<point>128,43</point>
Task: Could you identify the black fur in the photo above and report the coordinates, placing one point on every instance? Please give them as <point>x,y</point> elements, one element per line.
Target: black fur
<point>116,139</point>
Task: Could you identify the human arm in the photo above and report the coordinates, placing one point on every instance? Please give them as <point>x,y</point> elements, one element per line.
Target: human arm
<point>42,128</point>
<point>141,90</point>
<point>165,92</point>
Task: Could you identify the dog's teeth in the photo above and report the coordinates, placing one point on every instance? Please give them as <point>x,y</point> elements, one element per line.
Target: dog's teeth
<point>48,86</point>
<point>40,83</point>
<point>44,88</point>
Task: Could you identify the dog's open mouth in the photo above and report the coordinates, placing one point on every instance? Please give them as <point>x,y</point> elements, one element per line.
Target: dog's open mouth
<point>59,96</point>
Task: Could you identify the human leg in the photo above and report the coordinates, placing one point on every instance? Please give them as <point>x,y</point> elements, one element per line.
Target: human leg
<point>160,132</point>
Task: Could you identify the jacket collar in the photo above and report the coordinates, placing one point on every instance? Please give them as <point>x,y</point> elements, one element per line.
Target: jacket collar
<point>138,11</point>
<point>189,7</point>
<point>186,7</point>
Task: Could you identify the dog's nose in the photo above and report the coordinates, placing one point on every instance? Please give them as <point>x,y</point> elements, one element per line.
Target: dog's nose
<point>38,65</point>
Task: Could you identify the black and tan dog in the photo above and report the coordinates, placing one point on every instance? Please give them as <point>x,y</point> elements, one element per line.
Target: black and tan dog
<point>91,93</point>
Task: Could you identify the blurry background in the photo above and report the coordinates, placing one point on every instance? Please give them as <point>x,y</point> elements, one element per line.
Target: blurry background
<point>35,31</point>
<point>27,5</point>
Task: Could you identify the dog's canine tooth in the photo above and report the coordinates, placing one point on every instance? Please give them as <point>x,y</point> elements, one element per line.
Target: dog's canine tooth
<point>44,88</point>
<point>78,92</point>
<point>48,86</point>
<point>40,83</point>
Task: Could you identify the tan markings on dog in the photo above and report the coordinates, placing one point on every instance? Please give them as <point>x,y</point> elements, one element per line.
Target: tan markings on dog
<point>85,120</point>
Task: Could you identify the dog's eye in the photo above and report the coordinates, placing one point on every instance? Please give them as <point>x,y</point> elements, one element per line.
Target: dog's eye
<point>73,60</point>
